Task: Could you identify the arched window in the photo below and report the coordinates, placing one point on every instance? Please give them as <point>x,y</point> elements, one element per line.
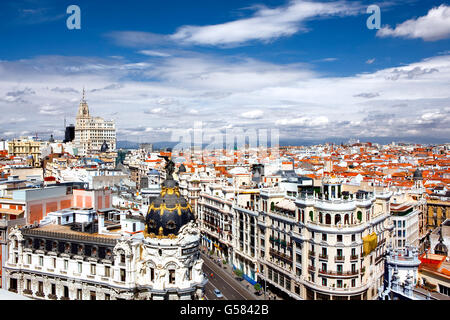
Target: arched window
<point>328,219</point>
<point>346,219</point>
<point>359,216</point>
<point>337,219</point>
<point>320,217</point>
<point>311,215</point>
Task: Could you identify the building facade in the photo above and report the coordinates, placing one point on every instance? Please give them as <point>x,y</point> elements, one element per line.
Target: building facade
<point>92,132</point>
<point>329,247</point>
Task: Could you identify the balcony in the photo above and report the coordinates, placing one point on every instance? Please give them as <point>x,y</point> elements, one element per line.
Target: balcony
<point>379,259</point>
<point>311,253</point>
<point>339,258</point>
<point>323,257</point>
<point>338,273</point>
<point>311,268</point>
<point>280,255</point>
<point>354,257</point>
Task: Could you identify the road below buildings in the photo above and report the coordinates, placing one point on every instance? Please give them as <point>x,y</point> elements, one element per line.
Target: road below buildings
<point>222,280</point>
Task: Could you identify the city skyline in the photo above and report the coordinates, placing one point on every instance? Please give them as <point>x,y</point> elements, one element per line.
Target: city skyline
<point>311,69</point>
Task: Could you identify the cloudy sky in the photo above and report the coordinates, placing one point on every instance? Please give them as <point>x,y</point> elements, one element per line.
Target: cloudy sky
<point>311,69</point>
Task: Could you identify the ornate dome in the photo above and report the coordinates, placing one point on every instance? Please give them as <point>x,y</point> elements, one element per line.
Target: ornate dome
<point>168,212</point>
<point>417,175</point>
<point>441,248</point>
<point>104,147</point>
<point>182,168</point>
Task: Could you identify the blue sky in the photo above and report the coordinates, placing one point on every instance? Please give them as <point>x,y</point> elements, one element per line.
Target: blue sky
<point>311,69</point>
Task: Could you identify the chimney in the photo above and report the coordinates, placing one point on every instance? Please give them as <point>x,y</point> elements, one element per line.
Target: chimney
<point>101,222</point>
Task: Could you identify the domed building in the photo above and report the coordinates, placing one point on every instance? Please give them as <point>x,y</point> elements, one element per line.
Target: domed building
<point>170,266</point>
<point>168,212</point>
<point>151,258</point>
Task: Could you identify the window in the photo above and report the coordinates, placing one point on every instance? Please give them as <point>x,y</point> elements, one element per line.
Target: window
<point>172,276</point>
<point>79,294</point>
<point>339,268</point>
<point>53,289</point>
<point>152,274</point>
<point>107,296</point>
<point>80,267</point>
<point>122,275</point>
<point>324,237</point>
<point>41,261</point>
<point>297,290</point>
<point>444,290</point>
<point>28,284</point>
<point>339,283</point>
<point>339,252</point>
<point>29,258</point>
<point>93,295</point>
<point>93,269</point>
<point>41,287</point>
<point>107,271</point>
<point>54,262</point>
<point>66,292</point>
<point>339,238</point>
<point>324,281</point>
<point>353,282</point>
<point>13,284</point>
<point>353,237</point>
<point>66,264</point>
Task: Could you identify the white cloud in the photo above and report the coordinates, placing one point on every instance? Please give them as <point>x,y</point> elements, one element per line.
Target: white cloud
<point>432,27</point>
<point>266,24</point>
<point>370,61</point>
<point>166,95</point>
<point>253,114</point>
<point>303,122</point>
<point>153,53</point>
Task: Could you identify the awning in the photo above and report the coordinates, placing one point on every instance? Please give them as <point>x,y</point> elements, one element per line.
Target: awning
<point>11,211</point>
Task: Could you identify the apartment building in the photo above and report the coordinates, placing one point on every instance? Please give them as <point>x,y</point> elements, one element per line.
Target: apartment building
<point>329,247</point>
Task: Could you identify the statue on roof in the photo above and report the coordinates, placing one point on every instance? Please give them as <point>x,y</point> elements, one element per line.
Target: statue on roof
<point>170,167</point>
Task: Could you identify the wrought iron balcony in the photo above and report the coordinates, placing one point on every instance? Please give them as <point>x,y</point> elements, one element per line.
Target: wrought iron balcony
<point>338,273</point>
<point>323,257</point>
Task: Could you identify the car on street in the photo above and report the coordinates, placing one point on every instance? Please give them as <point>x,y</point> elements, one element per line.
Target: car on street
<point>218,293</point>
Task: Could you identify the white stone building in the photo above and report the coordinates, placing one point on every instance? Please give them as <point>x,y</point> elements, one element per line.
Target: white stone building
<point>109,255</point>
<point>92,132</point>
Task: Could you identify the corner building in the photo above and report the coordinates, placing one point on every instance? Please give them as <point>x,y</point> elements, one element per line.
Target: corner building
<point>330,246</point>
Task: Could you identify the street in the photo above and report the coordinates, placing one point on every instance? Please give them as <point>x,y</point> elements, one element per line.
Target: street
<point>222,280</point>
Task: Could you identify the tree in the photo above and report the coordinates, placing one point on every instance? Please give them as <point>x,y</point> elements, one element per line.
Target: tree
<point>238,273</point>
<point>257,287</point>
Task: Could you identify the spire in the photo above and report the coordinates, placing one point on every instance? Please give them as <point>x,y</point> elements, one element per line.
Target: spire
<point>83,109</point>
